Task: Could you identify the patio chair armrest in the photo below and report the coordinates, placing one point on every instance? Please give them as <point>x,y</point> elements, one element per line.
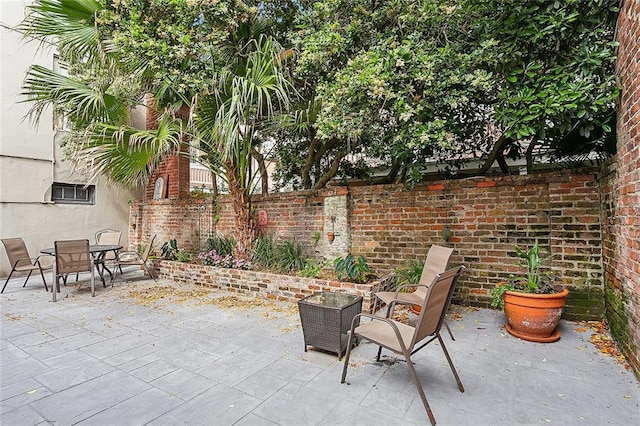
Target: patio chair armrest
<point>399,288</point>
<point>32,260</point>
<point>381,280</point>
<point>128,253</point>
<point>398,300</point>
<point>388,321</point>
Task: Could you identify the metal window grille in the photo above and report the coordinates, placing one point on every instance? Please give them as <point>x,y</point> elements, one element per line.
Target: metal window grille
<point>72,193</point>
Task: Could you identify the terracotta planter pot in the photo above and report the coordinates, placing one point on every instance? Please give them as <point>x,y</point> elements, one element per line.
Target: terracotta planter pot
<point>534,317</point>
<point>416,309</point>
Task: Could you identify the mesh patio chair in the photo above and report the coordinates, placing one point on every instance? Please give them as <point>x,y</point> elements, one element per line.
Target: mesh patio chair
<point>108,237</point>
<point>73,256</point>
<point>134,258</point>
<point>21,261</point>
<point>436,263</point>
<point>406,340</point>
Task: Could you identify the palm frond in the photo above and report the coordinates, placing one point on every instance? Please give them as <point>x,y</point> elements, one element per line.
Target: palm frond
<point>125,154</point>
<point>70,23</point>
<point>82,103</point>
<point>241,99</point>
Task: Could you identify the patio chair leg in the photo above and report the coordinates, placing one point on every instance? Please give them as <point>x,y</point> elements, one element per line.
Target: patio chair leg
<point>43,280</point>
<point>149,272</point>
<point>453,369</point>
<point>423,397</point>
<point>113,277</point>
<point>379,353</point>
<point>446,324</point>
<point>346,357</point>
<point>6,282</point>
<point>25,281</point>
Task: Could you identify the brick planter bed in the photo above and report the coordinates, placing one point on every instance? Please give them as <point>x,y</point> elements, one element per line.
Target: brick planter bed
<point>262,284</point>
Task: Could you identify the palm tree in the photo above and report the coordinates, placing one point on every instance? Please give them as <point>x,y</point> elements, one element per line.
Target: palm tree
<point>228,118</point>
<point>244,84</point>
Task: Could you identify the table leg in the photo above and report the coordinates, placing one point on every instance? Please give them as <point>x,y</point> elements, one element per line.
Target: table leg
<point>97,261</point>
<point>54,287</point>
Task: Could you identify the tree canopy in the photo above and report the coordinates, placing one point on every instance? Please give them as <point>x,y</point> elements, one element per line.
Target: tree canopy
<point>401,83</point>
<point>342,86</point>
<point>215,74</point>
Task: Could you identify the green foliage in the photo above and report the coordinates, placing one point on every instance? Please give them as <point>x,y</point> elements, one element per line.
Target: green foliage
<point>409,82</point>
<point>531,261</point>
<point>183,256</point>
<point>221,244</point>
<point>534,280</point>
<point>216,73</point>
<point>289,257</point>
<point>264,252</point>
<point>352,269</point>
<point>409,274</point>
<point>311,269</point>
<point>497,295</point>
<point>315,238</point>
<point>170,250</point>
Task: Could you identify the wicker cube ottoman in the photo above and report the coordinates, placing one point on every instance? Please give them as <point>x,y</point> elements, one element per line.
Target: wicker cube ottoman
<point>326,318</point>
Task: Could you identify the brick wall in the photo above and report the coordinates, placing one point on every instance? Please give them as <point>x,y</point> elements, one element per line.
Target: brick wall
<point>621,196</point>
<point>390,225</point>
<point>487,216</point>
<point>261,284</point>
<point>174,169</point>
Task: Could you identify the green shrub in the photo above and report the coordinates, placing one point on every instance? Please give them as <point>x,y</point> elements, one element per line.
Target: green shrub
<point>170,250</point>
<point>353,269</point>
<point>289,257</point>
<point>222,245</point>
<point>410,274</point>
<point>264,252</point>
<point>311,269</point>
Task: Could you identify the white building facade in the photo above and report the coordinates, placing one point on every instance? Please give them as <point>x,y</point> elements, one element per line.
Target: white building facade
<point>41,200</point>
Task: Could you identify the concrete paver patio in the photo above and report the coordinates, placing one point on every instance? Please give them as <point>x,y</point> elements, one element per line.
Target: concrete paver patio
<point>110,360</point>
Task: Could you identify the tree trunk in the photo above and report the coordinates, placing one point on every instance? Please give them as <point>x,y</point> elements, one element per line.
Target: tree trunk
<point>332,171</point>
<point>264,176</point>
<point>496,151</point>
<point>241,203</point>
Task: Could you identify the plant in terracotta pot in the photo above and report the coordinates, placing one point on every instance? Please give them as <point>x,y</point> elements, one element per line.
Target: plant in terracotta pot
<point>532,303</point>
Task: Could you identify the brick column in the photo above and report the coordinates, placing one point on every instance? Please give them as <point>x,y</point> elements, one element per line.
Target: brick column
<point>174,169</point>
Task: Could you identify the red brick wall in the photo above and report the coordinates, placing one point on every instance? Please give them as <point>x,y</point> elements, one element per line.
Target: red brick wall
<point>487,216</point>
<point>621,196</point>
<point>262,284</point>
<point>390,225</point>
<point>174,169</point>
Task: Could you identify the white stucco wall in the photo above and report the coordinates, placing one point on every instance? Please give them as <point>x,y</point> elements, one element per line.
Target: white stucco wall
<point>30,160</point>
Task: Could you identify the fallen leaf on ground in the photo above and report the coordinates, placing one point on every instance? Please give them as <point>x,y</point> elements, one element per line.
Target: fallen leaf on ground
<point>602,340</point>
